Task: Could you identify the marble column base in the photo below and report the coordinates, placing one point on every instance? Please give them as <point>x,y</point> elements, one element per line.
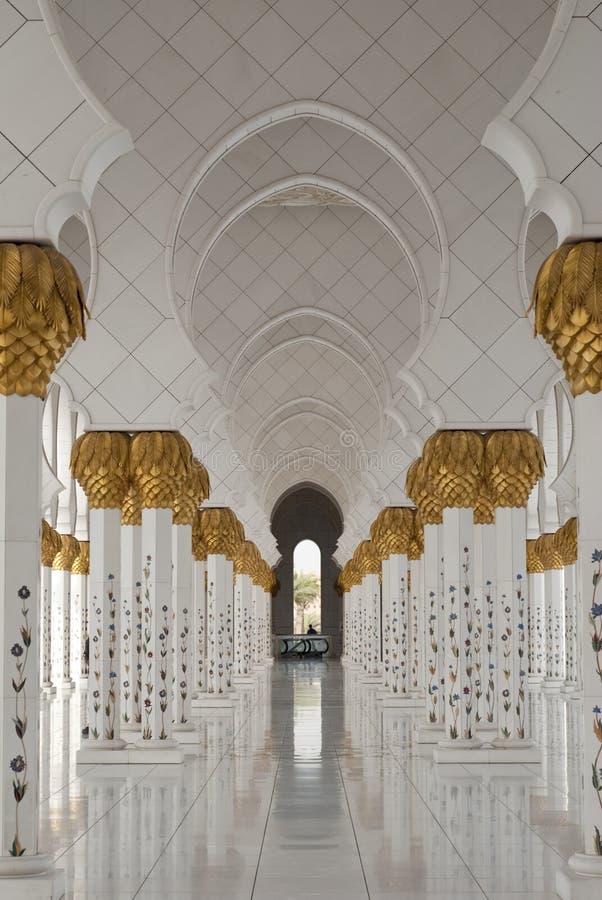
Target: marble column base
<point>130,727</point>
<point>569,687</point>
<point>65,687</point>
<point>244,681</point>
<point>49,885</point>
<point>83,682</point>
<point>552,685</point>
<point>402,702</point>
<point>486,728</point>
<point>571,886</point>
<point>534,680</point>
<point>269,661</point>
<point>486,755</point>
<point>145,752</point>
<point>48,689</point>
<point>182,729</point>
<point>188,737</point>
<point>211,701</point>
<point>430,733</point>
<point>371,678</point>
<point>101,750</point>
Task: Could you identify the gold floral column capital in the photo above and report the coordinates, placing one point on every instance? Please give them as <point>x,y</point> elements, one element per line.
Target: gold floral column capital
<point>131,511</point>
<point>392,530</point>
<point>220,531</point>
<point>193,490</point>
<point>367,559</point>
<point>566,541</point>
<point>453,461</point>
<point>247,559</point>
<point>421,491</point>
<point>416,544</point>
<point>160,461</point>
<point>64,559</point>
<point>51,544</point>
<point>99,462</point>
<point>534,563</point>
<point>567,297</point>
<point>42,312</point>
<point>546,547</point>
<point>81,563</point>
<point>514,462</point>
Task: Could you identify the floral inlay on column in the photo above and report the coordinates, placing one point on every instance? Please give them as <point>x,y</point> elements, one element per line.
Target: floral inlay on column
<point>183,684</point>
<point>147,653</point>
<point>137,707</point>
<point>490,638</point>
<point>19,763</point>
<point>164,650</point>
<point>110,705</point>
<point>595,617</point>
<point>454,668</point>
<point>433,687</point>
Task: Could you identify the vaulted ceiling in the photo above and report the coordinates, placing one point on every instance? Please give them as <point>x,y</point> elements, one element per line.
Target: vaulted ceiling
<point>309,261</point>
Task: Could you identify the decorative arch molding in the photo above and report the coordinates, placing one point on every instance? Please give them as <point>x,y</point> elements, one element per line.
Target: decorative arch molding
<point>106,145</point>
<point>429,408</point>
<point>331,113</point>
<point>301,486</point>
<point>508,141</point>
<point>300,311</point>
<point>296,460</point>
<point>335,187</point>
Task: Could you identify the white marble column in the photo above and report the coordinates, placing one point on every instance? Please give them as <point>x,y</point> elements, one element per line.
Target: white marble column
<point>386,613</point>
<point>183,622</point>
<point>243,649</point>
<point>346,654</point>
<point>417,631</point>
<point>370,594</point>
<point>458,556</point>
<point>554,618</point>
<point>50,546</point>
<point>20,501</point>
<point>61,608</point>
<point>157,621</point>
<point>104,719</point>
<point>433,727</point>
<point>511,628</point>
<point>572,660</point>
<point>199,579</point>
<point>485,628</point>
<point>356,626</point>
<point>219,624</point>
<point>537,642</point>
<point>131,625</point>
<point>46,631</point>
<point>588,440</point>
<point>79,615</point>
<point>257,613</point>
<point>269,653</point>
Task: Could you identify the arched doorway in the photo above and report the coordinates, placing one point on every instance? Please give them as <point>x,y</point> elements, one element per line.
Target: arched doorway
<point>308,513</point>
<point>307,586</point>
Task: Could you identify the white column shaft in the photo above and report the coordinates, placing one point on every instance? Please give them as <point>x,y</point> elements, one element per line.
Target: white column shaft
<point>131,626</point>
<point>183,636</point>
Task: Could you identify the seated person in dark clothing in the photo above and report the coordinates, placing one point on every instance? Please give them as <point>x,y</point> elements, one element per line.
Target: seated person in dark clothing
<point>311,629</point>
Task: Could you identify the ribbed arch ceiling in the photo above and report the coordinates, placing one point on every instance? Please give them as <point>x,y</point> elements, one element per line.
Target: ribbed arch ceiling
<point>390,100</point>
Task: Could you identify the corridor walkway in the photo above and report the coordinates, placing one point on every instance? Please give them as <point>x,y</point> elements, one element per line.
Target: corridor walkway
<point>306,792</point>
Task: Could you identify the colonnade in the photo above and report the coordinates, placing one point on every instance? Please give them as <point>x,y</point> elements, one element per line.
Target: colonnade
<point>449,607</point>
<point>178,602</point>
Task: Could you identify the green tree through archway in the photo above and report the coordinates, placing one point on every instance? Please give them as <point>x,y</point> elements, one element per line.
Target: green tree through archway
<point>306,595</point>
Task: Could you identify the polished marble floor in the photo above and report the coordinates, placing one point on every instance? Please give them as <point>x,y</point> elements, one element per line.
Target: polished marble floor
<point>309,791</point>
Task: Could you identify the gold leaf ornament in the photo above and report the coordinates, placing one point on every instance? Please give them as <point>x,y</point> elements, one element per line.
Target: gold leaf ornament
<point>220,531</point>
<point>193,490</point>
<point>366,559</point>
<point>392,530</point>
<point>81,563</point>
<point>247,559</point>
<point>534,563</point>
<point>453,460</point>
<point>131,511</point>
<point>416,545</point>
<point>160,461</point>
<point>199,549</point>
<point>421,490</point>
<point>42,312</point>
<point>100,463</point>
<point>66,556</point>
<point>567,298</point>
<point>50,544</point>
<point>514,462</point>
<point>546,547</point>
<point>566,541</point>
